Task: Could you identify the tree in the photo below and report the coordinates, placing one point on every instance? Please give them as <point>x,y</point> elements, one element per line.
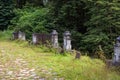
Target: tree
<point>93,23</point>
<point>67,15</point>
<point>103,25</point>
<point>6,13</point>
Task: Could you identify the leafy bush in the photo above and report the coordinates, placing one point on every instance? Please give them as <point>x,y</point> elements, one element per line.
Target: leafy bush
<point>29,20</point>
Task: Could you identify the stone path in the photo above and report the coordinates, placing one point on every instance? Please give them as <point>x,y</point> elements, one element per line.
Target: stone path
<point>22,73</point>
<point>18,70</point>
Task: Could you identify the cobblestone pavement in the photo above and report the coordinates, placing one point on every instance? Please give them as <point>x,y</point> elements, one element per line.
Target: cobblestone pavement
<point>18,70</point>
<point>22,73</point>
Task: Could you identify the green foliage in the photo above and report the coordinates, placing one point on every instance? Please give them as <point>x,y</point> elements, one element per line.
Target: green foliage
<point>6,13</point>
<point>67,15</point>
<point>30,20</point>
<point>91,22</point>
<point>102,25</point>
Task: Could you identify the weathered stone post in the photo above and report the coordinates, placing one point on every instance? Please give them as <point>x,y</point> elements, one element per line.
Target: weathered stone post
<point>67,41</point>
<point>21,36</point>
<point>15,35</point>
<point>34,39</point>
<point>116,57</point>
<point>54,36</point>
<point>78,55</point>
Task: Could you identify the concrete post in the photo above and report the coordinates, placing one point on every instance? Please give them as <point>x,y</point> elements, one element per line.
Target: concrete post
<point>54,36</point>
<point>15,35</point>
<point>116,57</point>
<point>67,41</point>
<point>21,36</point>
<point>34,39</point>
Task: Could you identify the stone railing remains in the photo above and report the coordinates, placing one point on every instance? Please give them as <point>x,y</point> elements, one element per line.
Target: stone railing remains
<point>19,35</point>
<point>38,38</point>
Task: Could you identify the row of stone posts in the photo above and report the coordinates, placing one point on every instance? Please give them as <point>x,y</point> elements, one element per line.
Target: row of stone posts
<point>66,40</point>
<point>54,39</point>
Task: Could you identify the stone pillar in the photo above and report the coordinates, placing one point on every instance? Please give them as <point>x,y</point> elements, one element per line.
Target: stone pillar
<point>34,39</point>
<point>21,36</point>
<point>15,35</point>
<point>116,57</point>
<point>78,55</point>
<point>54,36</point>
<point>67,41</point>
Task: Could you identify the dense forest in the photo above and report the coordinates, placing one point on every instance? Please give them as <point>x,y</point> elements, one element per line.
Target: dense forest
<point>94,24</point>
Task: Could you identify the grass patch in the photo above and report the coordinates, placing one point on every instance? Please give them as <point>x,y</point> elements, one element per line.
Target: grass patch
<point>51,65</point>
<point>5,35</point>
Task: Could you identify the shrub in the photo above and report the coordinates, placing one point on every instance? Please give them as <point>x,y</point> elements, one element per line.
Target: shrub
<point>29,20</point>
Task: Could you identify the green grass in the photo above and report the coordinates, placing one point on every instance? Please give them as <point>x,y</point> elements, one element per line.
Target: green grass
<point>58,65</point>
<point>5,35</point>
<point>49,64</point>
